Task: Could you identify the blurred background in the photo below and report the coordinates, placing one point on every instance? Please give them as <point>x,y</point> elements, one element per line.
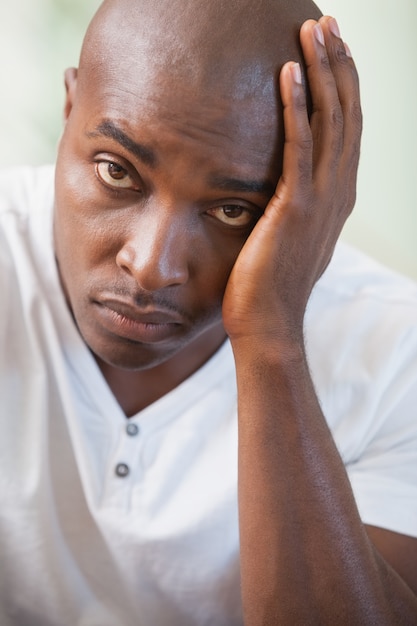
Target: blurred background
<point>40,38</point>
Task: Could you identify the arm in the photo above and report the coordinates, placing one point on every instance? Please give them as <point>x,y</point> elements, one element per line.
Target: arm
<point>306,557</point>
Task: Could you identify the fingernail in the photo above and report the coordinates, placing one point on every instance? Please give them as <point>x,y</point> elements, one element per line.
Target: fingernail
<point>347,50</point>
<point>334,27</point>
<point>296,73</point>
<point>318,32</point>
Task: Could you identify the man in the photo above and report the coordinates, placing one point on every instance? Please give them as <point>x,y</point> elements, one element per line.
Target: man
<point>187,250</point>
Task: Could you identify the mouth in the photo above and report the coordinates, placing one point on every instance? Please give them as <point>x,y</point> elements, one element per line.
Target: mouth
<point>141,325</point>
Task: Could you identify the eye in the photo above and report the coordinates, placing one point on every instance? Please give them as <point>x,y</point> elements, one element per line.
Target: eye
<point>114,175</point>
<point>233,215</point>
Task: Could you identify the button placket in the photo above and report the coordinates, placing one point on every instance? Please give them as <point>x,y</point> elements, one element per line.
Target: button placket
<point>126,450</point>
<point>124,471</point>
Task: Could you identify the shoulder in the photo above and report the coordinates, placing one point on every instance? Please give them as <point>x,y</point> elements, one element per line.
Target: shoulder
<point>361,337</point>
<point>26,190</point>
<point>26,205</point>
<point>359,302</point>
<point>353,274</point>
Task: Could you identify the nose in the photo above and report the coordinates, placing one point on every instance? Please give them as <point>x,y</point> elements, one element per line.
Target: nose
<point>156,250</point>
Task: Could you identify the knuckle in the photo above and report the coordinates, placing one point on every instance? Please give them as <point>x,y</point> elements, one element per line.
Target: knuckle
<point>305,144</point>
<point>305,149</point>
<point>307,205</point>
<point>348,197</point>
<point>299,104</point>
<point>336,117</point>
<point>304,177</point>
<point>356,114</point>
<point>355,149</point>
<point>341,56</point>
<point>325,63</point>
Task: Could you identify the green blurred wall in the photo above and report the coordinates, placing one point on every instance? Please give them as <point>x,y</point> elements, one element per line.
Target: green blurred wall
<point>38,40</point>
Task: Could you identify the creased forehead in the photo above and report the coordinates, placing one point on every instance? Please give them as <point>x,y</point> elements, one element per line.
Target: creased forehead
<point>207,43</point>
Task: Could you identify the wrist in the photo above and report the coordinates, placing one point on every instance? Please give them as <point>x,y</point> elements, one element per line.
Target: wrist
<point>278,351</point>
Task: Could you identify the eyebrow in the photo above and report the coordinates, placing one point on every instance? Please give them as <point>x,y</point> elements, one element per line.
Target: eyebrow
<point>264,187</point>
<point>107,128</point>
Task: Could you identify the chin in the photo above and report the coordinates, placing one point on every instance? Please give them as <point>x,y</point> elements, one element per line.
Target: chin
<point>131,356</point>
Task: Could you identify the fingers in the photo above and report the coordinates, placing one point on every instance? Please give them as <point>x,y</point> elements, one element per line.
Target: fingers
<point>297,174</point>
<point>334,85</point>
<point>317,189</point>
<point>347,85</point>
<point>321,153</point>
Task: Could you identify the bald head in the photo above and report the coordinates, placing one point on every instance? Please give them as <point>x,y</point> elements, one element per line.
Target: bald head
<point>234,47</point>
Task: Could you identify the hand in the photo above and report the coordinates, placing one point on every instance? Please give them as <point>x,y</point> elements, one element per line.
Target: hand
<point>293,242</point>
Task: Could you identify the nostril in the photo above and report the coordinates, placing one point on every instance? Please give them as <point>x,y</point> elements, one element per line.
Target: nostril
<point>154,267</point>
<point>125,259</point>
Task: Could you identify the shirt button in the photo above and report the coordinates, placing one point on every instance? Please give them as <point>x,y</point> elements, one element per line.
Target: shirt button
<point>132,429</point>
<point>122,470</point>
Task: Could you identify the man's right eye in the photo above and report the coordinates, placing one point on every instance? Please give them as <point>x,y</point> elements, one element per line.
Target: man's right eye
<point>114,175</point>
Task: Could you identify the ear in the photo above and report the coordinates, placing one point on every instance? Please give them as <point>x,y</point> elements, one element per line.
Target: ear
<point>70,88</point>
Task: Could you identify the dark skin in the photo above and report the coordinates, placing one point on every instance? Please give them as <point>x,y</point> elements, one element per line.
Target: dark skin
<point>154,297</point>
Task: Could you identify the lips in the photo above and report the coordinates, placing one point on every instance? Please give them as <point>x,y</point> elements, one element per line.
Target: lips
<point>144,325</point>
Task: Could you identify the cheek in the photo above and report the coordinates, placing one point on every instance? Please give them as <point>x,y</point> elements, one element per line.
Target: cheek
<point>216,263</point>
<point>83,232</point>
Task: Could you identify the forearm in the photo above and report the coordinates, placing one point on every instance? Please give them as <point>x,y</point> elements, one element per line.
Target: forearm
<point>305,555</point>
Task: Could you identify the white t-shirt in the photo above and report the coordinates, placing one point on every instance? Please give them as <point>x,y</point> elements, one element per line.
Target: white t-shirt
<point>106,521</point>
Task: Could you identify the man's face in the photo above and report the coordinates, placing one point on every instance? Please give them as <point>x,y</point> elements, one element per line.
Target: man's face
<point>157,189</point>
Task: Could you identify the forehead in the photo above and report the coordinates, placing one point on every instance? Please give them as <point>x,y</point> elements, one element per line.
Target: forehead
<point>193,136</point>
<point>239,117</point>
